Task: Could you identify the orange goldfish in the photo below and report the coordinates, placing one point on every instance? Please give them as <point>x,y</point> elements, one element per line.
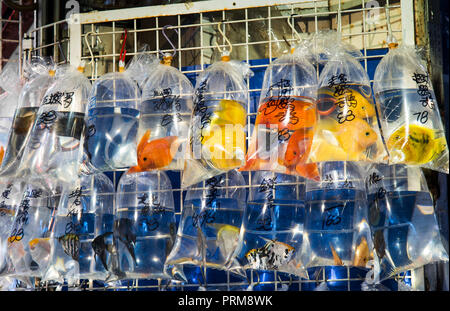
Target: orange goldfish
<point>2,153</point>
<point>336,258</point>
<point>298,148</point>
<point>156,153</point>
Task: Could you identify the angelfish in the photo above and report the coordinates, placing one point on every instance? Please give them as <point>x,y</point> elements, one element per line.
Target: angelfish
<point>227,239</point>
<point>271,256</point>
<point>123,230</point>
<point>70,243</point>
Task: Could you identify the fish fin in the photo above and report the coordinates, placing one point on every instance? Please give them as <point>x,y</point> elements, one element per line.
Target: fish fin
<point>308,170</point>
<point>268,240</point>
<point>337,259</point>
<point>134,169</point>
<point>143,142</point>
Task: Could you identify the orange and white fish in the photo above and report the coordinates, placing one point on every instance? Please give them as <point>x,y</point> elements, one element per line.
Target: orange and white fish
<point>155,154</point>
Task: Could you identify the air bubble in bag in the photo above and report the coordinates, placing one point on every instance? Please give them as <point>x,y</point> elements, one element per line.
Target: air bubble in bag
<point>409,113</point>
<point>144,225</point>
<point>209,230</point>
<point>402,220</point>
<point>166,110</point>
<point>55,147</point>
<point>272,230</point>
<point>217,129</point>
<point>336,230</point>
<point>83,227</point>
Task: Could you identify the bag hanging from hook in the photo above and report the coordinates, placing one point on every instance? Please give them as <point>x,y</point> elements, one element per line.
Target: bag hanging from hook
<point>409,114</point>
<point>39,73</point>
<point>345,107</point>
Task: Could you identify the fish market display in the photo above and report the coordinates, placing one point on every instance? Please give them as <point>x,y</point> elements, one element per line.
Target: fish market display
<point>165,115</point>
<point>345,110</point>
<point>409,114</point>
<point>402,219</point>
<point>40,72</point>
<point>273,224</point>
<point>216,135</point>
<point>209,230</point>
<point>144,225</point>
<point>336,230</point>
<point>54,149</point>
<point>85,212</point>
<point>286,118</point>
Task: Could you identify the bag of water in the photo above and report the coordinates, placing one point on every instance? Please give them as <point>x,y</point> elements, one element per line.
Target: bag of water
<point>166,110</point>
<point>29,246</point>
<point>144,224</point>
<point>82,234</point>
<point>286,117</point>
<point>112,120</point>
<point>403,223</point>
<point>209,230</point>
<point>336,230</point>
<point>409,114</point>
<point>55,147</point>
<point>39,73</point>
<point>217,130</point>
<point>8,103</point>
<point>345,108</point>
<point>272,229</point>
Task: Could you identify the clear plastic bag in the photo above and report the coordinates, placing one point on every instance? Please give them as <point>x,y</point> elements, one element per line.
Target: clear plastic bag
<point>409,114</point>
<point>286,117</point>
<point>8,103</point>
<point>336,230</point>
<point>403,224</point>
<point>217,129</point>
<point>272,230</point>
<point>345,108</point>
<point>209,230</point>
<point>166,110</point>
<point>39,73</point>
<point>112,120</point>
<point>144,225</point>
<point>29,245</point>
<point>55,147</point>
<point>83,224</point>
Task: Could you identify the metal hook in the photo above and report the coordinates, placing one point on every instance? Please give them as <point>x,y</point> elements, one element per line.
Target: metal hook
<point>88,45</point>
<point>225,38</point>
<point>391,40</point>
<point>293,27</point>
<point>168,40</point>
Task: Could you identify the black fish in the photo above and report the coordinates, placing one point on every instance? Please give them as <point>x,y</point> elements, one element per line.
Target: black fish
<point>71,245</point>
<point>379,243</point>
<point>100,247</point>
<point>123,230</point>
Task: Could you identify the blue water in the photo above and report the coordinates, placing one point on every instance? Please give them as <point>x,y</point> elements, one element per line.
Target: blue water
<point>113,144</point>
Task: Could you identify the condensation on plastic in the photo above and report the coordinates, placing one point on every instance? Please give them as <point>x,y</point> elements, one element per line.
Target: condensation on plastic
<point>402,220</point>
<point>286,118</point>
<point>112,120</point>
<point>336,230</point>
<point>144,225</point>
<point>28,101</point>
<point>209,230</point>
<point>85,212</point>
<point>345,107</point>
<point>216,141</point>
<point>28,243</point>
<point>166,110</point>
<point>272,229</point>
<point>409,112</point>
<point>55,148</point>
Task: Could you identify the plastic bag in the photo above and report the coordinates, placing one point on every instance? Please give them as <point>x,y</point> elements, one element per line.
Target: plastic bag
<point>8,103</point>
<point>409,114</point>
<point>217,129</point>
<point>144,225</point>
<point>345,109</point>
<point>209,230</point>
<point>39,73</point>
<point>165,115</point>
<point>272,229</point>
<point>112,121</point>
<point>83,225</point>
<point>55,147</point>
<point>336,230</point>
<point>29,246</point>
<point>286,117</point>
<point>403,224</point>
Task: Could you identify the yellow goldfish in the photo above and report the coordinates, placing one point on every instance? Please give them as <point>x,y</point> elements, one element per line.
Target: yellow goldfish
<point>414,144</point>
<point>364,107</point>
<point>229,112</point>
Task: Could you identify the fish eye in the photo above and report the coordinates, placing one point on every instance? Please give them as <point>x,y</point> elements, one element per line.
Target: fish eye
<point>367,133</point>
<point>295,152</point>
<point>145,159</point>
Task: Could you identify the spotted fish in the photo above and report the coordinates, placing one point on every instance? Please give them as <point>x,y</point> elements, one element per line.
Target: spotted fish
<point>271,256</point>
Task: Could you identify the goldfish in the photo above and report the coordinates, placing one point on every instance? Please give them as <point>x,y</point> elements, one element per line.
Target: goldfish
<point>271,256</point>
<point>155,154</point>
<point>364,107</point>
<point>229,112</point>
<point>336,258</point>
<point>414,145</point>
<point>227,239</point>
<point>298,148</point>
<point>294,115</point>
<point>70,243</point>
<point>2,154</point>
<point>4,211</point>
<point>362,254</point>
<point>123,230</point>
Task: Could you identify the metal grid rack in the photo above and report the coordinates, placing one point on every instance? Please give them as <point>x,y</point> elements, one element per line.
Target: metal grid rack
<point>264,35</point>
